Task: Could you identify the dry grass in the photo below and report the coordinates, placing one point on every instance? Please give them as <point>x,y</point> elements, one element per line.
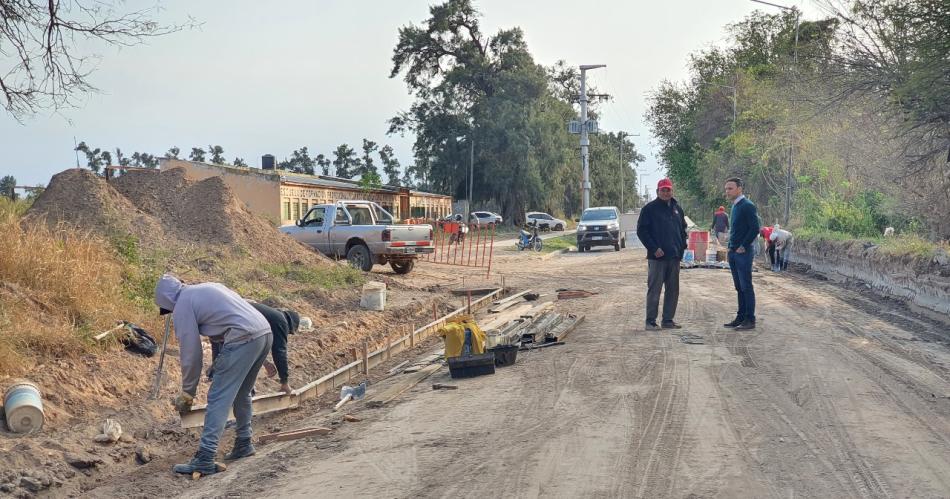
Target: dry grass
<point>57,288</point>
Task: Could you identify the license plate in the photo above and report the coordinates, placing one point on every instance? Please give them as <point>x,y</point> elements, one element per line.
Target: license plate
<point>410,250</point>
<point>597,238</point>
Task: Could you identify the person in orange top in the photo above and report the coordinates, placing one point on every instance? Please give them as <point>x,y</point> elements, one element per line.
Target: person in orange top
<point>766,233</point>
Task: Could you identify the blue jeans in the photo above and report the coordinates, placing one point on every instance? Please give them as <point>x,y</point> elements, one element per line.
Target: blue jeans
<point>235,371</point>
<point>741,266</point>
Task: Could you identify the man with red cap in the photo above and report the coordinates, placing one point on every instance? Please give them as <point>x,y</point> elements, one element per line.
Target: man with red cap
<point>662,230</point>
<point>720,226</point>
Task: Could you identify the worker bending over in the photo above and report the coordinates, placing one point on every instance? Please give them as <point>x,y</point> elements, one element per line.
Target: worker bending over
<point>212,310</point>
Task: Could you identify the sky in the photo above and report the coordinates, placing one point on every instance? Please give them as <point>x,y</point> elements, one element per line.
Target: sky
<point>270,77</point>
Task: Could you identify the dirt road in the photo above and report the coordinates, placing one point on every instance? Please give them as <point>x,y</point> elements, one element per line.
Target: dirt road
<point>836,394</point>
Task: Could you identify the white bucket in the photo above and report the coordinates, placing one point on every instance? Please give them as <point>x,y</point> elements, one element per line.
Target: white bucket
<point>23,407</point>
<point>374,296</point>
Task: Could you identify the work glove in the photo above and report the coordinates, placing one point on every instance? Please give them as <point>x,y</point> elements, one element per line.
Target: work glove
<point>183,402</point>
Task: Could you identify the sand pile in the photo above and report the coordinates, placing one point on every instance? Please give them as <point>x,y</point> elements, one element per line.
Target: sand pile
<point>165,209</point>
<point>81,199</point>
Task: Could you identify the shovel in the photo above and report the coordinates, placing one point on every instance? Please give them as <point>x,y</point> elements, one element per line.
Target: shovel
<point>161,360</point>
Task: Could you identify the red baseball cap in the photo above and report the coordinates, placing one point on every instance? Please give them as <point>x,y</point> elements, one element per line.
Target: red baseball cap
<point>665,182</point>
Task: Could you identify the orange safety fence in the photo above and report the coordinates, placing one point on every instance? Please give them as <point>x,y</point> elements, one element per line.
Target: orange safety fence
<point>454,246</point>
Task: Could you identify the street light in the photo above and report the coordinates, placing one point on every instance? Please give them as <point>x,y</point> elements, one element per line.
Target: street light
<point>585,141</point>
<point>788,172</point>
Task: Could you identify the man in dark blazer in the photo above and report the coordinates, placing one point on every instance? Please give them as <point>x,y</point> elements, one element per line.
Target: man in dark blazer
<point>742,235</point>
<point>662,230</point>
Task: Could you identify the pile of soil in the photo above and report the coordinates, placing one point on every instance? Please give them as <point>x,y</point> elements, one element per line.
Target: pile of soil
<point>81,199</point>
<point>163,209</point>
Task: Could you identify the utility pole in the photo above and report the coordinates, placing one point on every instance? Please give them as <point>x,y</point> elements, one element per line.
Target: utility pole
<point>622,188</point>
<point>585,141</point>
<point>471,172</point>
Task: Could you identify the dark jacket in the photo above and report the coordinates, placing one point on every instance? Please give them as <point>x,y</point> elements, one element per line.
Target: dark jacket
<point>282,323</point>
<point>720,222</point>
<point>745,225</point>
<point>663,226</point>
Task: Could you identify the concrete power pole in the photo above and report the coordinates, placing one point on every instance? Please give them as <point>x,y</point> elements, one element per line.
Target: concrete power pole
<point>585,141</point>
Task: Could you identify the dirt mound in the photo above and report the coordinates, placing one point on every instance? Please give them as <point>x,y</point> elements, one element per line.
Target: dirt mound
<point>165,209</point>
<point>81,199</point>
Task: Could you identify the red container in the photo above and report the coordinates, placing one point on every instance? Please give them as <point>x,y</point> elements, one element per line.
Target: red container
<point>699,236</point>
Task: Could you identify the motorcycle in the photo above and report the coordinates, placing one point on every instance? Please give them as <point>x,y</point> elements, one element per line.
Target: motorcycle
<point>529,239</point>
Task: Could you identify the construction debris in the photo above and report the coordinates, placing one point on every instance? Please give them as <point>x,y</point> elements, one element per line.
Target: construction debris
<point>565,294</point>
<point>692,339</point>
<point>349,418</point>
<point>542,345</point>
<point>440,386</point>
<point>111,432</point>
<point>294,434</point>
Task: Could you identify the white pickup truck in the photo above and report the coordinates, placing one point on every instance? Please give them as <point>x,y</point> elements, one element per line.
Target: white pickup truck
<point>363,233</point>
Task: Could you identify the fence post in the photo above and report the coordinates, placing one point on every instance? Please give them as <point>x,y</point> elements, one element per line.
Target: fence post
<point>365,357</point>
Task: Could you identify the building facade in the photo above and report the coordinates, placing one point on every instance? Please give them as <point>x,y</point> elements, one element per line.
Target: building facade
<point>283,197</point>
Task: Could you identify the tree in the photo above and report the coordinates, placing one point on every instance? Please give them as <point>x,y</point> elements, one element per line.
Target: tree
<point>240,162</point>
<point>7,186</point>
<point>144,160</point>
<point>46,66</point>
<point>323,163</point>
<point>471,88</point>
<point>217,155</point>
<point>197,154</point>
<point>370,181</point>
<point>120,158</point>
<point>94,159</point>
<point>345,161</point>
<point>390,165</point>
<point>366,164</point>
<point>173,153</point>
<point>299,162</point>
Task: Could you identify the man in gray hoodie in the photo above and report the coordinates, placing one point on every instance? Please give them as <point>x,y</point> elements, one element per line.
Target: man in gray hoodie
<point>212,310</point>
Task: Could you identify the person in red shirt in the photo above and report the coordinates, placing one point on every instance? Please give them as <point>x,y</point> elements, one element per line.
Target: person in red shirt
<point>766,233</point>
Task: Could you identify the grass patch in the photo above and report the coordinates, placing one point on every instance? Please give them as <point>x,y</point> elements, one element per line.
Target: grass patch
<point>899,245</point>
<point>58,286</point>
<point>325,277</point>
<point>558,243</point>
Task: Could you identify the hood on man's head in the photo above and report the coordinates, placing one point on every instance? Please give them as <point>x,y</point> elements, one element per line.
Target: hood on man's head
<point>293,320</point>
<point>166,293</point>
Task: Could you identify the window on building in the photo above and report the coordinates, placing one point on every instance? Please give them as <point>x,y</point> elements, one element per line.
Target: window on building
<point>295,209</point>
<point>286,214</point>
<point>304,206</point>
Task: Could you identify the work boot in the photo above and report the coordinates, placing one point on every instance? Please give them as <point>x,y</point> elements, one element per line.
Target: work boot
<point>242,448</point>
<point>203,463</point>
<point>745,325</point>
<point>670,325</point>
<point>651,326</point>
<point>735,322</point>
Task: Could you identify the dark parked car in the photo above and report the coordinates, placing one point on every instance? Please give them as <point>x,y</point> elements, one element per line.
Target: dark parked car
<point>600,226</point>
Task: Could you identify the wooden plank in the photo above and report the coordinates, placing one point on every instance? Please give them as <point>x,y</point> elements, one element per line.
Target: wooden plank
<point>511,298</point>
<point>294,434</point>
<point>262,404</point>
<point>404,384</point>
<point>399,365</point>
<point>477,290</point>
<point>503,307</point>
<point>495,321</point>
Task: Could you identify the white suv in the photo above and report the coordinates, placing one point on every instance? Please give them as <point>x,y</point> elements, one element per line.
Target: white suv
<point>545,221</point>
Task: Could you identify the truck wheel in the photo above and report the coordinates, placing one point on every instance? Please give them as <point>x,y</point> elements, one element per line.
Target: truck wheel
<point>558,227</point>
<point>359,257</point>
<point>402,266</point>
